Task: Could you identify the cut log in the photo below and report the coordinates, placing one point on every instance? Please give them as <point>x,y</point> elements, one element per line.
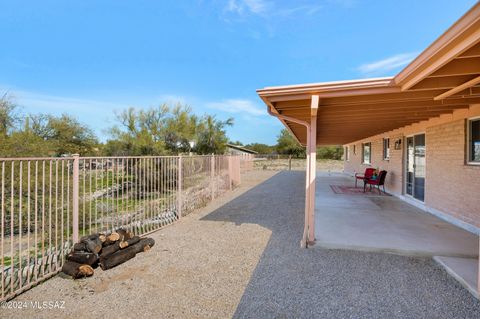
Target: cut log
<point>122,255</point>
<point>93,244</point>
<point>117,258</point>
<point>80,247</point>
<point>110,249</point>
<point>92,236</point>
<point>83,258</point>
<point>140,246</point>
<point>77,270</point>
<point>111,238</point>
<point>102,237</point>
<point>129,242</point>
<point>124,234</point>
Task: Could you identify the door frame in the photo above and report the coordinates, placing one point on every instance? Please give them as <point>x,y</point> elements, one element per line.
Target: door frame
<point>405,168</point>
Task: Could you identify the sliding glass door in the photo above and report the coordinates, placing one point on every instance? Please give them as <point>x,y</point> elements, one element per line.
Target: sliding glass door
<point>415,167</point>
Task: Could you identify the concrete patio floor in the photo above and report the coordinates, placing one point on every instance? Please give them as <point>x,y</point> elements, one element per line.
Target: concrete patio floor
<point>381,223</point>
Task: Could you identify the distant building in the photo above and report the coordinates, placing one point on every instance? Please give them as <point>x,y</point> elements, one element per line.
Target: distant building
<point>239,150</point>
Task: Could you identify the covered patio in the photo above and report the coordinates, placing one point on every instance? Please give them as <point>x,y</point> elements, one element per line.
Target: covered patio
<point>441,83</point>
<point>381,223</point>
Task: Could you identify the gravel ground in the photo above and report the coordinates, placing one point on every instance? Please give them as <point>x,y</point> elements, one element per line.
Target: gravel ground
<point>240,257</point>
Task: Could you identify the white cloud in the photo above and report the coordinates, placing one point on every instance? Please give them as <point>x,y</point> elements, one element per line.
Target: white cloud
<point>53,103</point>
<point>243,6</point>
<point>306,9</point>
<point>387,64</point>
<point>45,103</point>
<point>260,7</point>
<point>237,106</point>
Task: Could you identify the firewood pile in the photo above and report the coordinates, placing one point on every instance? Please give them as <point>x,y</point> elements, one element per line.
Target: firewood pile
<point>104,250</point>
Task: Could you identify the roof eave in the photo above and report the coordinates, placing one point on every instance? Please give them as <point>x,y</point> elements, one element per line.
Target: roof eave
<point>325,87</point>
<point>413,74</point>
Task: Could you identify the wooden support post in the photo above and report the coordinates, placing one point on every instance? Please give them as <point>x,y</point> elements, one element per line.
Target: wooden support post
<point>289,162</point>
<point>313,167</point>
<point>304,241</point>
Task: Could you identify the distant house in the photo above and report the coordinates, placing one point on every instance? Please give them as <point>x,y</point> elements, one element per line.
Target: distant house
<point>233,149</point>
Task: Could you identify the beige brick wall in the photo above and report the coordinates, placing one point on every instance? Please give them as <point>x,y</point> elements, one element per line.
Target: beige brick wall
<point>393,166</point>
<point>452,187</point>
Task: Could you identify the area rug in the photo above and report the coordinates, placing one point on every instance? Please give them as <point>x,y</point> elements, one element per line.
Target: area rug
<point>352,190</point>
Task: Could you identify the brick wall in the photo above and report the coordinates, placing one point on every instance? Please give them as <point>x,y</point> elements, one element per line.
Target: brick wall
<point>452,187</point>
<point>393,166</point>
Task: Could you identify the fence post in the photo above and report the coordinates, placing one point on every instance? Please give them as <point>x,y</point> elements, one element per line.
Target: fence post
<point>212,176</point>
<point>230,172</point>
<point>289,162</point>
<point>179,194</point>
<point>75,201</point>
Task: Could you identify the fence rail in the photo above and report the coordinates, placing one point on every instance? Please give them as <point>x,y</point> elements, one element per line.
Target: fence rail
<point>47,204</point>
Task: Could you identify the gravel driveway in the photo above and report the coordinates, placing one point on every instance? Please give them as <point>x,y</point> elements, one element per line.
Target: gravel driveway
<point>240,257</point>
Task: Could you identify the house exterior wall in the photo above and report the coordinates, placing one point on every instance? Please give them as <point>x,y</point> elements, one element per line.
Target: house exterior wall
<point>452,187</point>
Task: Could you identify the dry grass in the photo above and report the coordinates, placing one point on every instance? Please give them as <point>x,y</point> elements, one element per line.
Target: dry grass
<point>298,164</point>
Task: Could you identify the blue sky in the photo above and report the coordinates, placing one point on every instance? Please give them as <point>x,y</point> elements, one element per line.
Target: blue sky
<point>89,58</point>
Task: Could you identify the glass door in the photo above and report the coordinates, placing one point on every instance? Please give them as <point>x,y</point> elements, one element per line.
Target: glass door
<point>415,170</point>
<point>410,165</point>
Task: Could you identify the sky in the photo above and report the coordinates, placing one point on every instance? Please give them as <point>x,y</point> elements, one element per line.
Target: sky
<point>92,58</point>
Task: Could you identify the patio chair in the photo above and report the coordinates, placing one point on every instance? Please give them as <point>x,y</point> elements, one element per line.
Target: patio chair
<point>367,175</point>
<point>379,181</point>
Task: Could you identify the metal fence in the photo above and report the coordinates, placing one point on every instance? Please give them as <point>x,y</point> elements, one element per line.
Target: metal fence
<point>47,204</point>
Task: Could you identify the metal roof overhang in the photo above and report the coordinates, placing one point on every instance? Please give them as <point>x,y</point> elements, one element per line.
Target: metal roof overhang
<point>443,78</point>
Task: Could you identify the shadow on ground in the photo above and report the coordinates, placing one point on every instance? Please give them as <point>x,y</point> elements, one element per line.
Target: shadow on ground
<point>290,282</point>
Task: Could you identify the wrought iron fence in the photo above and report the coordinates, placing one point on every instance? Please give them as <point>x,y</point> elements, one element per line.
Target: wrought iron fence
<point>47,204</point>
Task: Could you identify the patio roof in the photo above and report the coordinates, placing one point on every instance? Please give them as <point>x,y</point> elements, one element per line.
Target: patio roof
<point>443,78</point>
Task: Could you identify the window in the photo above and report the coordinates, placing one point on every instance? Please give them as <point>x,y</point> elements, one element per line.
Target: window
<point>346,155</point>
<point>367,153</point>
<point>386,148</point>
<point>474,141</point>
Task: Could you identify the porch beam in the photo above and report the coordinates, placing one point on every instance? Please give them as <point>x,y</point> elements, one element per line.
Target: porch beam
<point>457,89</point>
<point>447,82</point>
<point>364,110</point>
<point>375,116</point>
<point>458,67</point>
<point>379,105</point>
<point>471,53</point>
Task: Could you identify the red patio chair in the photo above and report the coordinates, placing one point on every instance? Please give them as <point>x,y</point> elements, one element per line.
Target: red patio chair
<point>367,175</point>
<point>379,181</point>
